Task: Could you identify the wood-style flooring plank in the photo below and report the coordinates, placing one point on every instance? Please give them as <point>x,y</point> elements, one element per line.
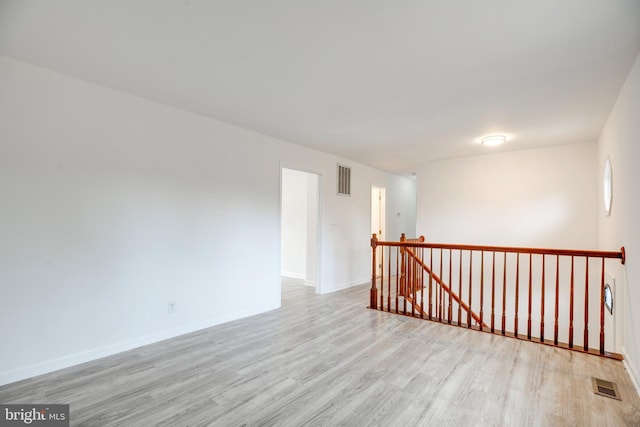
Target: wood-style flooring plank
<point>327,360</point>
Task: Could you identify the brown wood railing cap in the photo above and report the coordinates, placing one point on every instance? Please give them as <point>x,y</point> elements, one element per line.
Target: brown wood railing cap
<point>510,249</point>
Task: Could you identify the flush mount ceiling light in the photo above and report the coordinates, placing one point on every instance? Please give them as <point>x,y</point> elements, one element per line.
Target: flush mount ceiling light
<point>493,140</point>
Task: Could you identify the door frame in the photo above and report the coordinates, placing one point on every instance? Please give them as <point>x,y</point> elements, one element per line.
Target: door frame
<point>381,207</point>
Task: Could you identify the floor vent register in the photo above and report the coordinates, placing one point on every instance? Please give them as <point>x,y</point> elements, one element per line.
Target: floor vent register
<point>605,388</point>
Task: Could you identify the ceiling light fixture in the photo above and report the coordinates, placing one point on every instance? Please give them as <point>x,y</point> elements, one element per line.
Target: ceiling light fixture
<point>493,140</point>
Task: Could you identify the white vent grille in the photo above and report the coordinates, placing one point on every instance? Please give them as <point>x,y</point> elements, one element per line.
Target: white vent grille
<point>344,180</point>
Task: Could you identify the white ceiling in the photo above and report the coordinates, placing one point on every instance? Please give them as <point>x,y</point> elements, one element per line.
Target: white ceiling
<point>392,84</point>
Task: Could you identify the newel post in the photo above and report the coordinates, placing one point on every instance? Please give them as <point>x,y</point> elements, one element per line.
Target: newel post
<point>374,289</point>
<point>403,268</point>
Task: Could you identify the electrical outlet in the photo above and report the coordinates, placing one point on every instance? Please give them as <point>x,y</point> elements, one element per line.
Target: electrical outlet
<point>171,307</point>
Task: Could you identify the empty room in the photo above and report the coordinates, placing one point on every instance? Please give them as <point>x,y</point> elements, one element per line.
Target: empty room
<point>319,213</point>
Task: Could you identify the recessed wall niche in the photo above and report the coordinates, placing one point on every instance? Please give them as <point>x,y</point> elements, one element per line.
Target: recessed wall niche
<point>608,186</point>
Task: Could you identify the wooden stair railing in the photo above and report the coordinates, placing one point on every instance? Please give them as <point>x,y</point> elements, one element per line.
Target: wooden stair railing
<point>409,255</point>
<point>443,286</point>
<point>414,273</point>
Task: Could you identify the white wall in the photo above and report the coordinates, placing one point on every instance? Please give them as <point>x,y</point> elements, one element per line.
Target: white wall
<point>620,140</point>
<point>545,197</point>
<point>537,198</point>
<point>113,205</point>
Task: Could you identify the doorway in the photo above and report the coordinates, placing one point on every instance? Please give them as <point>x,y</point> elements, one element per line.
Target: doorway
<point>378,219</point>
<point>299,216</point>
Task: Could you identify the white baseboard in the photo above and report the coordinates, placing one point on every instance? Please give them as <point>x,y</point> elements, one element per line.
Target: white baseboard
<point>631,369</point>
<point>344,286</point>
<point>291,275</point>
<point>311,283</point>
<point>48,366</point>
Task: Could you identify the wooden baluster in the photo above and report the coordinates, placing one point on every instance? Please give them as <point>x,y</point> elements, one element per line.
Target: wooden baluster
<point>409,273</point>
<point>517,296</point>
<point>460,290</point>
<point>412,281</point>
<point>441,290</point>
<point>571,306</point>
<point>542,300</point>
<point>481,289</point>
<point>397,278</point>
<point>493,290</point>
<point>403,274</point>
<point>416,278</point>
<point>421,250</point>
<point>430,281</point>
<point>436,297</point>
<point>555,324</point>
<point>408,283</point>
<point>373,297</point>
<point>504,295</point>
<point>470,289</point>
<point>529,312</point>
<point>450,287</point>
<point>586,305</point>
<point>381,278</point>
<point>602,280</point>
<point>389,280</point>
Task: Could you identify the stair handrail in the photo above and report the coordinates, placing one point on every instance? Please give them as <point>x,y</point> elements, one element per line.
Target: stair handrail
<point>446,288</point>
<point>621,255</point>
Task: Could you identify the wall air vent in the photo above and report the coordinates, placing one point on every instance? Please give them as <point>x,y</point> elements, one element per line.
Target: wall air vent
<point>344,180</point>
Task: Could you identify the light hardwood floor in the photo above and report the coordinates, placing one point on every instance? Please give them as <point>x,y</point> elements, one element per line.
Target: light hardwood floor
<point>327,360</point>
